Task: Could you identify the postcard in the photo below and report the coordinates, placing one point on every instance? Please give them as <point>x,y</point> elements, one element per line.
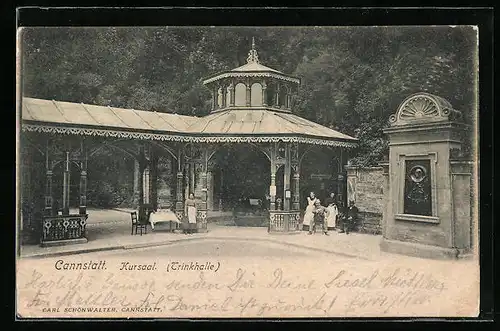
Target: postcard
<point>247,172</point>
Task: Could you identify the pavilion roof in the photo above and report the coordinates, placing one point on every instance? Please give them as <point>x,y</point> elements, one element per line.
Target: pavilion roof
<point>264,123</point>
<point>233,125</point>
<point>59,112</point>
<point>253,68</point>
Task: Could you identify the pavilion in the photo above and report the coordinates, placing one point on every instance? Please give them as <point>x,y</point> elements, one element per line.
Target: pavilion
<point>251,107</point>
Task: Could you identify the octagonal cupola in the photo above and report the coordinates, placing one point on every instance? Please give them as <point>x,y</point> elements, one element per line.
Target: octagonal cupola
<point>252,85</point>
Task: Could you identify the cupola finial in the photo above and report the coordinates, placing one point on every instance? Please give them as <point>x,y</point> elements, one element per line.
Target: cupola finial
<point>253,57</point>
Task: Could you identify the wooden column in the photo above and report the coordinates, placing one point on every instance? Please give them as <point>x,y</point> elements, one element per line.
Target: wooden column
<point>296,189</point>
<point>210,188</point>
<point>82,208</point>
<point>277,96</point>
<point>66,182</point>
<point>272,200</point>
<point>286,178</point>
<point>204,190</point>
<point>154,181</point>
<point>48,193</point>
<point>215,96</point>
<point>224,97</point>
<point>140,177</point>
<point>179,203</point>
<point>232,97</point>
<point>136,182</point>
<point>192,178</point>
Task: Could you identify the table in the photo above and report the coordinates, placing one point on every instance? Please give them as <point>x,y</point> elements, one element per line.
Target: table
<point>162,216</point>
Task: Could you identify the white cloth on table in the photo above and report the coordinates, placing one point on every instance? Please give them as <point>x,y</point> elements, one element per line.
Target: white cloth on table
<point>162,216</point>
<point>331,217</point>
<point>191,214</point>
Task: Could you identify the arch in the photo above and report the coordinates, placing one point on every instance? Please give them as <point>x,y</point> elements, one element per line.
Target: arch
<point>256,94</point>
<point>34,146</point>
<point>240,94</point>
<point>164,148</point>
<point>112,146</point>
<point>423,107</point>
<point>73,162</point>
<point>230,145</point>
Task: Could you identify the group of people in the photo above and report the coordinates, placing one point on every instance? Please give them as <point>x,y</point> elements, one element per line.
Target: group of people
<point>330,217</point>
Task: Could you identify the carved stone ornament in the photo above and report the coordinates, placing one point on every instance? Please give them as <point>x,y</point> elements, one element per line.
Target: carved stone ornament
<point>423,107</point>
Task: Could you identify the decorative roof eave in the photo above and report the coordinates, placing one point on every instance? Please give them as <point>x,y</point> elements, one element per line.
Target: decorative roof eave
<point>187,138</point>
<point>232,74</point>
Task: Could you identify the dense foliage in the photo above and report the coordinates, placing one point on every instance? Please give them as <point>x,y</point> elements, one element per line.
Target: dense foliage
<point>352,78</point>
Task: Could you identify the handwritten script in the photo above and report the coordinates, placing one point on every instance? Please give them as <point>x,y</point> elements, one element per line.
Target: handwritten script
<point>270,291</point>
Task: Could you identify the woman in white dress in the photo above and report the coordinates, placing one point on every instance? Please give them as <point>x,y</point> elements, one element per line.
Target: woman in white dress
<point>332,212</point>
<point>309,213</point>
<point>190,211</point>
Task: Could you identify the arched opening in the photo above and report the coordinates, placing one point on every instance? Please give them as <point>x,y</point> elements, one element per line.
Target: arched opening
<point>58,187</point>
<point>321,173</point>
<point>110,179</point>
<point>256,95</point>
<point>241,178</point>
<point>271,94</point>
<point>240,95</point>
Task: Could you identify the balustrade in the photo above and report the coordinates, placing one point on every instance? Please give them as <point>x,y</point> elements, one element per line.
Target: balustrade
<point>60,229</point>
<point>284,221</point>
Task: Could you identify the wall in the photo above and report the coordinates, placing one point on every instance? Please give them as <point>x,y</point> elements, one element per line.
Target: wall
<point>365,187</point>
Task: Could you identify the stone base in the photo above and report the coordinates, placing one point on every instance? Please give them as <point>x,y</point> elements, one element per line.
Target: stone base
<point>420,250</point>
<point>63,242</point>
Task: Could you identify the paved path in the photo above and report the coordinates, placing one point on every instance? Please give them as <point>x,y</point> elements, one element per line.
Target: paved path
<point>114,234</point>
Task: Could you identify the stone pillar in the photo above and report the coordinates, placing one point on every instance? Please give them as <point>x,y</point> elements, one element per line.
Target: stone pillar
<point>264,93</point>
<point>429,216</point>
<point>288,101</point>
<point>387,203</point>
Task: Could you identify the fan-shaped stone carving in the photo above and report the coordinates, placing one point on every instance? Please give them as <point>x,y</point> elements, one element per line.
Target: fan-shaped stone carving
<point>422,107</point>
<point>418,107</point>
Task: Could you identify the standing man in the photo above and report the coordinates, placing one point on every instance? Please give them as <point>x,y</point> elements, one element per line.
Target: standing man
<point>350,217</point>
